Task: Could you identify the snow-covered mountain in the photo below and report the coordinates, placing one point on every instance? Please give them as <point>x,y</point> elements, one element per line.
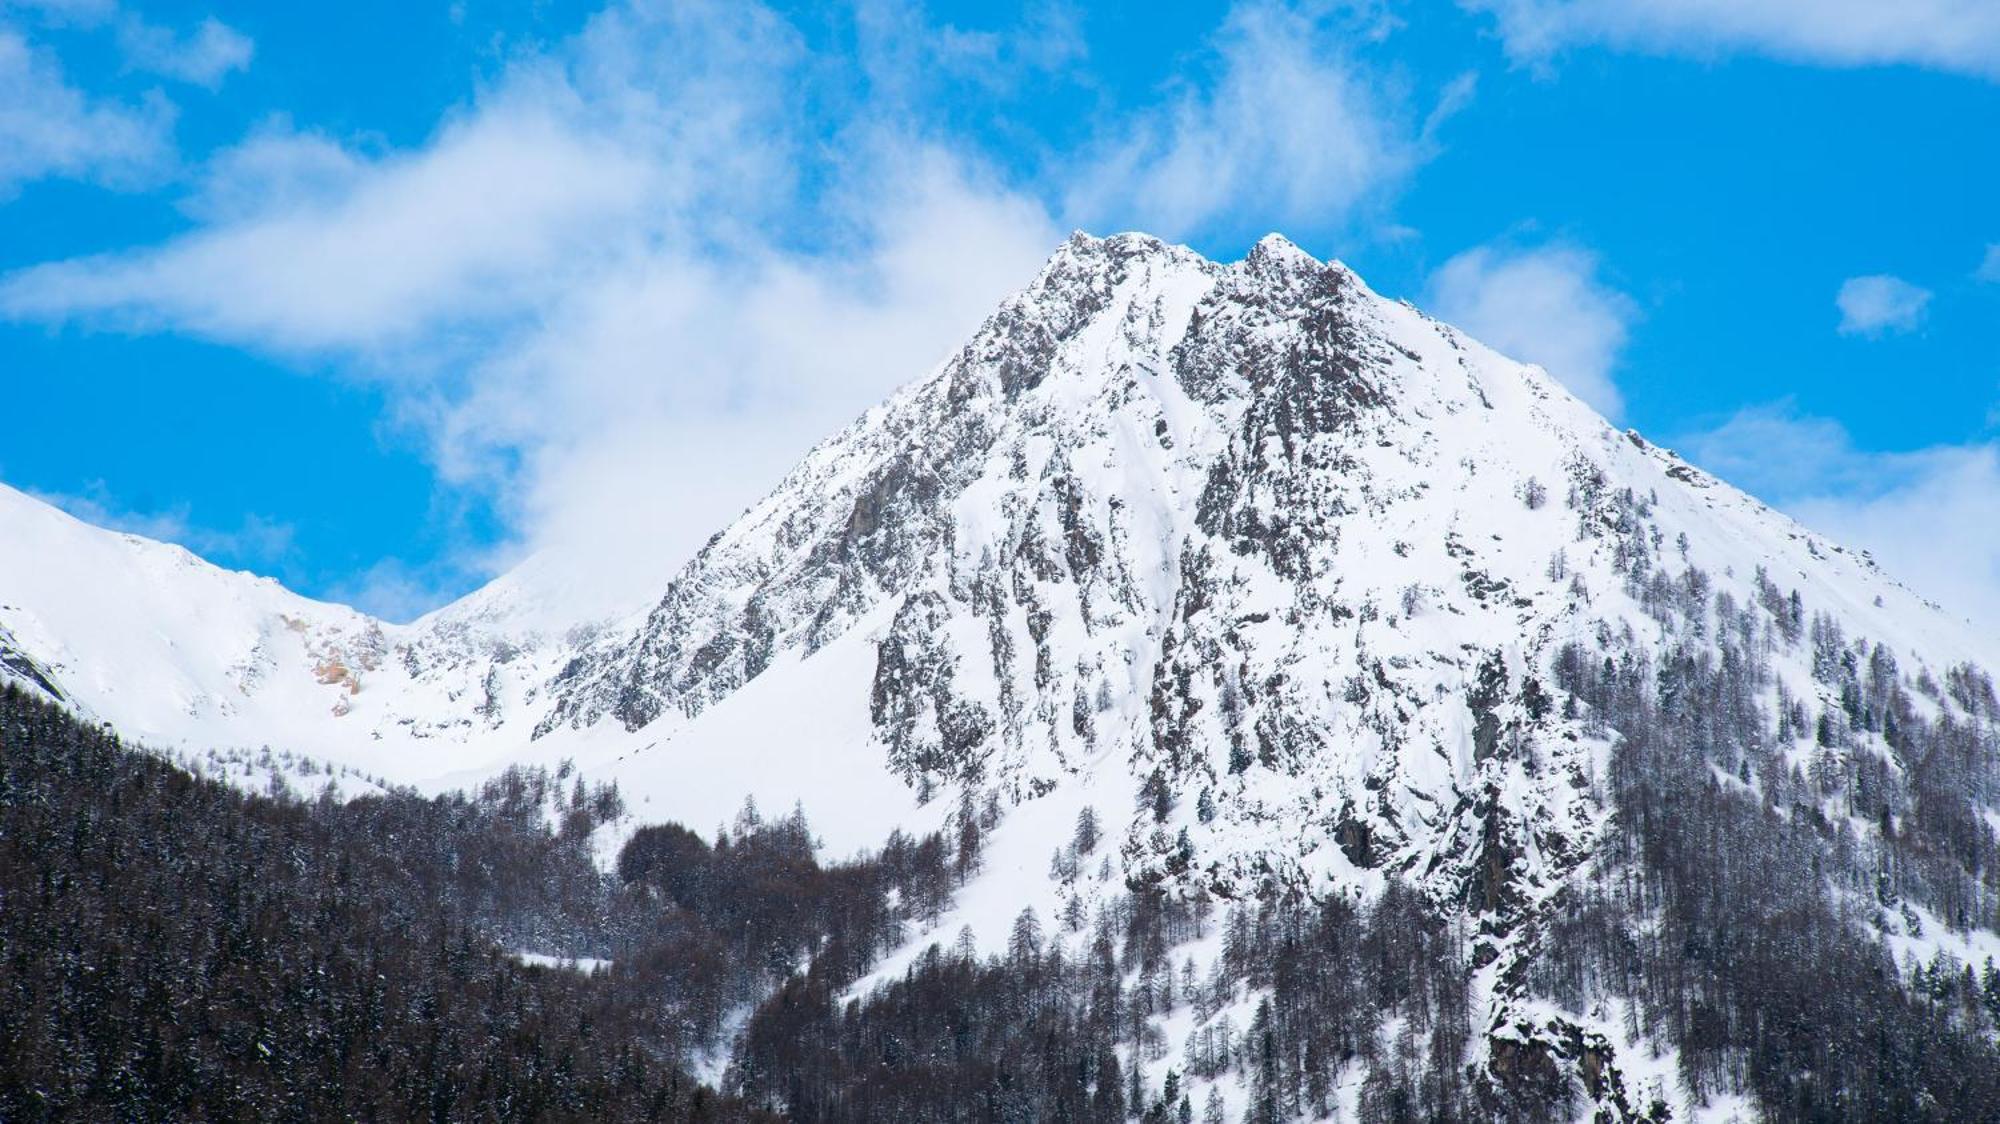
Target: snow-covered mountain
<point>1275,573</point>
<point>179,653</point>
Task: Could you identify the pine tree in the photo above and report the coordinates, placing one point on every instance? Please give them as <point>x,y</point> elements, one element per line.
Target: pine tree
<point>1086,836</point>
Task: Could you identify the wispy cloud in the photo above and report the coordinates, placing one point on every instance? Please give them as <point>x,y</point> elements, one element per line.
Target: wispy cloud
<point>1961,36</point>
<point>255,540</point>
<point>1288,125</point>
<point>1545,305</point>
<point>51,128</point>
<point>486,220</point>
<point>391,590</point>
<point>907,56</point>
<point>1926,515</point>
<point>1879,304</point>
<point>202,57</point>
<point>1989,266</point>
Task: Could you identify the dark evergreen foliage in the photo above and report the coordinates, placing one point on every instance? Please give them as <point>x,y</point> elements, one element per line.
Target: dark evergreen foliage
<point>172,949</point>
<point>1756,858</point>
<point>1039,1033</point>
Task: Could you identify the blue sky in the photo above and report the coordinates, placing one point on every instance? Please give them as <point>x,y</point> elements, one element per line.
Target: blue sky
<point>378,299</point>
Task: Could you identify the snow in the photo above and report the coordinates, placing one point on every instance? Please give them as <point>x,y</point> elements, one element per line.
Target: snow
<point>798,735</point>
<point>1074,488</point>
<point>588,965</point>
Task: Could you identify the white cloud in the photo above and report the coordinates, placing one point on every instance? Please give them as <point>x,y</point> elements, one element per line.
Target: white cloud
<point>275,170</point>
<point>50,128</point>
<point>256,538</point>
<point>1291,130</point>
<point>906,57</point>
<point>1775,452</point>
<point>496,212</point>
<point>63,13</point>
<point>202,58</point>
<point>1961,36</point>
<point>620,294</point>
<point>1546,306</point>
<point>53,128</point>
<point>660,126</point>
<point>1989,267</point>
<point>1934,528</point>
<point>660,399</point>
<point>1878,304</point>
<point>390,590</point>
<point>1927,516</point>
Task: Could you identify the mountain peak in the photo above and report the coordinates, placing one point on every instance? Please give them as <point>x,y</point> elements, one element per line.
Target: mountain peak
<point>1109,258</point>
<point>1277,248</point>
<point>1085,251</point>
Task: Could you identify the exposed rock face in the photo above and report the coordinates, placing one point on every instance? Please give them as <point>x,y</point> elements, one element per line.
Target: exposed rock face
<point>1228,522</point>
<point>18,667</point>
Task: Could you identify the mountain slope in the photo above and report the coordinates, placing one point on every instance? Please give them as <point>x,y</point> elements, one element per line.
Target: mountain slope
<point>179,653</point>
<point>148,634</point>
<point>1291,584</point>
<point>1289,570</point>
<point>1196,518</point>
